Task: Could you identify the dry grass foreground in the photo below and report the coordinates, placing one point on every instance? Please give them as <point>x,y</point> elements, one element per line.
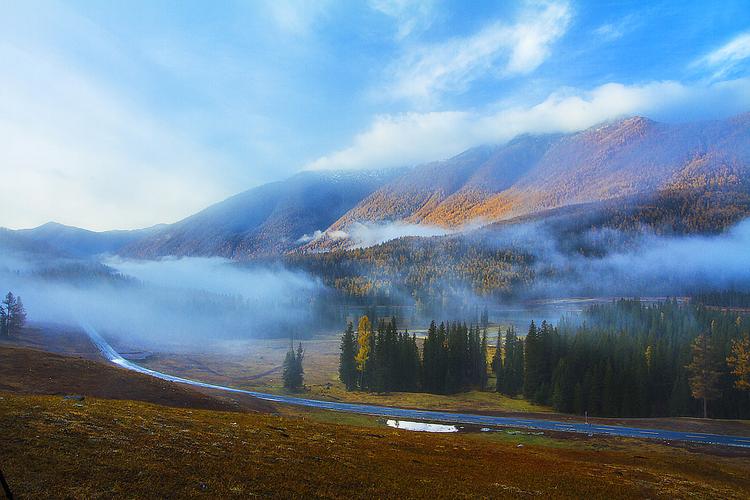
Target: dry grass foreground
<point>53,447</point>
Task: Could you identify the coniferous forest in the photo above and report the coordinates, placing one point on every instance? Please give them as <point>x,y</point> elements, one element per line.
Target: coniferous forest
<point>622,359</point>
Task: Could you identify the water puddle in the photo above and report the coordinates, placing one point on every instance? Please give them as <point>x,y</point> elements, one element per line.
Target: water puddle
<point>420,426</point>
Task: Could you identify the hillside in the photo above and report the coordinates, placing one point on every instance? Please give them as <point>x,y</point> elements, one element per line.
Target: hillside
<point>628,158</point>
<point>31,371</point>
<point>269,219</point>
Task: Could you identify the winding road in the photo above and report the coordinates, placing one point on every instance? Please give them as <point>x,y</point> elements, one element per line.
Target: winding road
<point>435,416</point>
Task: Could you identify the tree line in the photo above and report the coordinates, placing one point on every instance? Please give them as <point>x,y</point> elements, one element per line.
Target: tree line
<point>631,359</point>
<point>382,359</point>
<point>622,359</point>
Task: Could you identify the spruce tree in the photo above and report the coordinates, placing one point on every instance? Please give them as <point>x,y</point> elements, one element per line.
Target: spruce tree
<point>704,372</point>
<point>497,364</point>
<point>532,363</point>
<point>293,374</point>
<point>347,362</point>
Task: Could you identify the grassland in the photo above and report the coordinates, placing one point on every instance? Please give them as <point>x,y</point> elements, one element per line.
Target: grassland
<point>103,448</point>
<point>256,365</point>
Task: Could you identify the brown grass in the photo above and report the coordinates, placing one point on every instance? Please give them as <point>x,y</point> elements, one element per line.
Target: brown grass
<point>31,371</point>
<point>104,448</point>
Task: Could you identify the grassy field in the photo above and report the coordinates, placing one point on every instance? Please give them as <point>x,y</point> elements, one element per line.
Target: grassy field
<point>56,448</point>
<point>256,365</point>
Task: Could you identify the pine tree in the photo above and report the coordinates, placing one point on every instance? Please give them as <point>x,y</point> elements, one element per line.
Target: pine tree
<point>483,359</point>
<point>497,364</point>
<point>430,359</point>
<point>293,374</point>
<point>704,379</point>
<point>347,361</point>
<point>532,363</point>
<point>610,399</point>
<point>12,315</point>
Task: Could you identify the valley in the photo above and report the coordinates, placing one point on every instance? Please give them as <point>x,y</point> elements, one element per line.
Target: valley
<point>376,249</point>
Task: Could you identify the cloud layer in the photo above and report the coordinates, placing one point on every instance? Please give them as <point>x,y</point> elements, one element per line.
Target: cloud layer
<point>410,138</point>
<point>724,60</point>
<point>499,49</point>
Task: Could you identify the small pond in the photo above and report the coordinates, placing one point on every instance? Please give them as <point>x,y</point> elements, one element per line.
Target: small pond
<point>420,426</point>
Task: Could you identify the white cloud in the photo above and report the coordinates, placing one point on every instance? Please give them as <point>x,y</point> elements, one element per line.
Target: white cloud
<point>411,16</point>
<point>726,58</point>
<point>616,30</point>
<point>402,140</point>
<point>296,17</point>
<point>410,138</point>
<point>499,49</point>
<point>78,151</point>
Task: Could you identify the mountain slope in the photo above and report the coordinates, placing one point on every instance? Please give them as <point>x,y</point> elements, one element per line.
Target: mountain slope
<point>634,156</point>
<point>271,218</point>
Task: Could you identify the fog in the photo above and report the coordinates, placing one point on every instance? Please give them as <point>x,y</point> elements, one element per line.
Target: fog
<point>368,234</point>
<point>193,303</point>
<point>186,303</point>
<point>631,263</point>
<point>364,235</point>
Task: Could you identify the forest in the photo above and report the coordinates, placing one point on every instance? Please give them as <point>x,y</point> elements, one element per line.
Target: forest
<point>626,358</point>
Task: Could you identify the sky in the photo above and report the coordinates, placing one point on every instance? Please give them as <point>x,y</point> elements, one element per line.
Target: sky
<point>125,114</point>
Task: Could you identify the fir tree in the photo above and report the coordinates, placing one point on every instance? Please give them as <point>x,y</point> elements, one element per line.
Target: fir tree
<point>12,315</point>
<point>347,361</point>
<point>703,368</point>
<point>293,374</point>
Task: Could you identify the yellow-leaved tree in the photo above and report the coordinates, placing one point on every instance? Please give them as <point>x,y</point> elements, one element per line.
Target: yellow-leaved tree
<point>739,361</point>
<point>363,339</point>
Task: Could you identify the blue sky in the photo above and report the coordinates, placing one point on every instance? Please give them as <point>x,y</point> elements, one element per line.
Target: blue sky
<point>126,114</point>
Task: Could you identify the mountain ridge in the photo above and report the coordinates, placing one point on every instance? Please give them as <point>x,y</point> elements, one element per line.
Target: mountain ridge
<point>314,211</point>
<point>628,157</point>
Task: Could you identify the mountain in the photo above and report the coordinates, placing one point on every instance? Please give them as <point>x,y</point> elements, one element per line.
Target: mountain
<point>630,157</point>
<point>689,176</point>
<point>53,239</point>
<point>269,219</point>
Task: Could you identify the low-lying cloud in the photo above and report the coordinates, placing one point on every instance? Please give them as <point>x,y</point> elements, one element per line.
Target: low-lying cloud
<point>368,234</point>
<point>186,303</point>
<point>632,263</point>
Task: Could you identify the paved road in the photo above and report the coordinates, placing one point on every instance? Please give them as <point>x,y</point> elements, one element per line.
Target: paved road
<point>434,416</point>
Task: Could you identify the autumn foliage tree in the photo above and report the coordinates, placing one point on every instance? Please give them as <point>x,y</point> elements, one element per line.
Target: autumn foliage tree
<point>739,362</point>
<point>364,334</point>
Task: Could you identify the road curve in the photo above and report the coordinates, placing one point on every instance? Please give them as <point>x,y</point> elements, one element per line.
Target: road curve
<point>435,416</point>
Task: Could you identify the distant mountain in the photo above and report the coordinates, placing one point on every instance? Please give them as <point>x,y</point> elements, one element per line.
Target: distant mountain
<point>269,219</point>
<point>53,239</point>
<point>630,157</point>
